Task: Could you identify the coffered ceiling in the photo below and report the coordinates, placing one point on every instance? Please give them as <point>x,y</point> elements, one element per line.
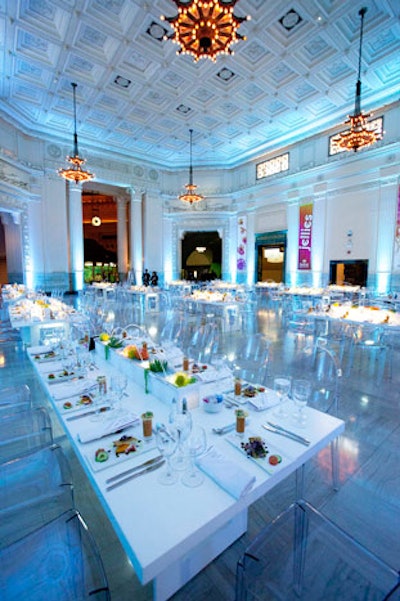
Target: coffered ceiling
<point>295,75</point>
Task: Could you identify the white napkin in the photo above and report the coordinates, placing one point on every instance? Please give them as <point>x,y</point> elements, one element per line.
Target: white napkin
<point>95,430</point>
<point>264,400</point>
<point>64,390</point>
<point>38,350</point>
<point>231,477</point>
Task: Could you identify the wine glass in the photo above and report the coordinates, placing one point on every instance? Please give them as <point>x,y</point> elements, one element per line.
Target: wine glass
<point>183,423</point>
<point>301,392</point>
<point>197,444</point>
<point>118,384</point>
<point>167,442</point>
<point>282,385</point>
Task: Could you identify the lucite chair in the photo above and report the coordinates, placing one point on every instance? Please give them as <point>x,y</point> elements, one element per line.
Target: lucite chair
<point>369,349</point>
<point>250,362</point>
<point>204,343</point>
<point>33,489</point>
<point>57,562</point>
<point>24,432</point>
<point>303,556</point>
<point>16,397</point>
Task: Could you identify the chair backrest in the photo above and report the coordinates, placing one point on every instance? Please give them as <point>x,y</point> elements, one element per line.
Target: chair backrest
<point>60,557</point>
<point>15,393</point>
<point>323,367</point>
<point>24,432</point>
<point>33,489</point>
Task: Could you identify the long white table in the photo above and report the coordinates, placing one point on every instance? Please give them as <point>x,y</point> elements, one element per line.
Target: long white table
<point>171,532</point>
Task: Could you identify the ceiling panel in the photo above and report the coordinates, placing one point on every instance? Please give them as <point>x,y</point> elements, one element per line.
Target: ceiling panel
<point>296,72</point>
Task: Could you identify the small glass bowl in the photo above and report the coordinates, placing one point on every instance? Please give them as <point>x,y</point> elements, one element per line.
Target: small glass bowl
<point>213,403</point>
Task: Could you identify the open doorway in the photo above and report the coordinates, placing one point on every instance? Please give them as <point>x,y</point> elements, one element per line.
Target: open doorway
<point>100,237</point>
<point>349,272</point>
<point>201,256</point>
<point>271,256</point>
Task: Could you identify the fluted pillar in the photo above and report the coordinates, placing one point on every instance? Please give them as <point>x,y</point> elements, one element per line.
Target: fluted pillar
<point>122,238</point>
<point>75,237</point>
<point>136,235</point>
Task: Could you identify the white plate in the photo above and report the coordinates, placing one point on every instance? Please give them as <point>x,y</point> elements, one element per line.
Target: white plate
<point>107,444</point>
<point>262,462</point>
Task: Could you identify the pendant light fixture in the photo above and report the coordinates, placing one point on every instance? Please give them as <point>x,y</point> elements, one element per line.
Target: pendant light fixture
<point>190,196</point>
<point>361,133</point>
<point>75,173</point>
<point>205,29</point>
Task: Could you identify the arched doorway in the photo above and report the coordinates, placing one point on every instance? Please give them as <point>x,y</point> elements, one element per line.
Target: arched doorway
<point>100,237</point>
<point>201,256</point>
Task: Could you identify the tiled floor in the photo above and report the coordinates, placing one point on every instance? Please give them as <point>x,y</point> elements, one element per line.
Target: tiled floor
<point>367,504</point>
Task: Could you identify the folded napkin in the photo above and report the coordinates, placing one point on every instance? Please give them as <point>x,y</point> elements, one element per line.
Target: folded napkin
<point>264,400</point>
<point>64,390</point>
<point>94,430</point>
<point>39,350</point>
<point>229,475</point>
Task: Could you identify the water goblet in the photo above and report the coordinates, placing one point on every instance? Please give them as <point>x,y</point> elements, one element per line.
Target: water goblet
<point>183,423</point>
<point>167,442</point>
<point>301,392</point>
<point>118,384</point>
<point>197,444</point>
<point>282,385</point>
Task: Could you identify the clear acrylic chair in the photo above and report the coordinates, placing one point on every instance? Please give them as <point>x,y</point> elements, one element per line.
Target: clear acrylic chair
<point>24,432</point>
<point>204,343</point>
<point>369,349</point>
<point>250,362</point>
<point>16,397</point>
<point>303,556</point>
<point>34,489</point>
<point>58,562</point>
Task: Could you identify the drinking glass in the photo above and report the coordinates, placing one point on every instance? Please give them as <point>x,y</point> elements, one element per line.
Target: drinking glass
<point>301,392</point>
<point>167,442</point>
<point>282,385</point>
<point>183,423</point>
<point>197,444</point>
<point>118,384</point>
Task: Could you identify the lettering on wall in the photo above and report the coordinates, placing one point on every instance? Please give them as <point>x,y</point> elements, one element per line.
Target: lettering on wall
<point>305,236</point>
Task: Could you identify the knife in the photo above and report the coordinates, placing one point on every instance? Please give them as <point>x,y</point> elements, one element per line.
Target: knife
<point>151,468</point>
<point>290,435</point>
<point>74,417</point>
<point>134,469</point>
<point>288,431</point>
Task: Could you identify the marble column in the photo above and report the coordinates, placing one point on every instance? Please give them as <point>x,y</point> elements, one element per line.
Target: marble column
<point>136,235</point>
<point>387,255</point>
<point>122,238</point>
<point>75,236</point>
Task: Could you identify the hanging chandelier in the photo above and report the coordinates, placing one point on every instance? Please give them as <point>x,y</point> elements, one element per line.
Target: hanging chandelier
<point>205,29</point>
<point>190,195</point>
<point>75,173</point>
<point>361,133</point>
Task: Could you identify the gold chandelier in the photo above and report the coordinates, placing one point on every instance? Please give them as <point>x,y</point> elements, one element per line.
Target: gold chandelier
<point>205,29</point>
<point>190,195</point>
<point>361,133</point>
<point>75,173</point>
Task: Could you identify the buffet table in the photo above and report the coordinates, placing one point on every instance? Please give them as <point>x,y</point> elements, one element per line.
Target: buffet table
<point>171,532</point>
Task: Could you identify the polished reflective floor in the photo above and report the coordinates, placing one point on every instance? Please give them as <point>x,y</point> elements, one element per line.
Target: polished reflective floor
<point>367,503</point>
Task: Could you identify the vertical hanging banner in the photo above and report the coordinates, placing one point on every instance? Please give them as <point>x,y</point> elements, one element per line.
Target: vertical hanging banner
<point>305,235</point>
<point>396,252</point>
<point>241,255</point>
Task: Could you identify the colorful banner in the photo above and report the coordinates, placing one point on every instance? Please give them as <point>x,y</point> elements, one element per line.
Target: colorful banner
<point>241,255</point>
<point>305,236</point>
<point>396,252</point>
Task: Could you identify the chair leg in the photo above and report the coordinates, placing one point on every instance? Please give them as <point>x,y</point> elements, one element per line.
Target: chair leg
<point>335,464</point>
<point>240,588</point>
<point>299,548</point>
<point>300,482</point>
